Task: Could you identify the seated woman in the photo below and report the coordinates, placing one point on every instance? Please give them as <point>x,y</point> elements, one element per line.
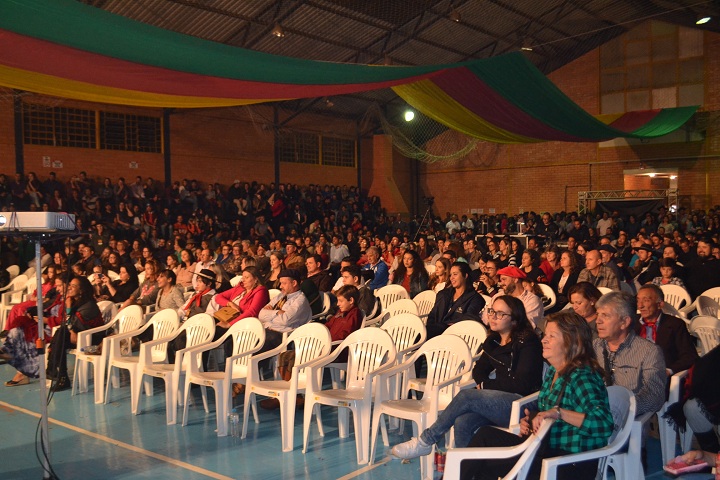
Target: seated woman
<point>510,368</point>
<point>530,264</point>
<point>583,297</point>
<point>411,273</point>
<point>572,393</point>
<point>551,262</point>
<point>247,298</point>
<point>82,314</point>
<point>440,278</point>
<point>276,265</point>
<point>169,295</point>
<point>48,294</point>
<point>119,290</point>
<point>667,274</point>
<point>184,271</point>
<point>459,302</point>
<point>565,277</point>
<point>701,407</point>
<point>19,347</point>
<point>145,294</point>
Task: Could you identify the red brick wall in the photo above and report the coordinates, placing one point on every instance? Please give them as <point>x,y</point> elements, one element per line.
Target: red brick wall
<point>548,176</point>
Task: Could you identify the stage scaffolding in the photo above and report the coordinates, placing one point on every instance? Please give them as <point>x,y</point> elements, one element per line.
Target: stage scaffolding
<point>584,198</point>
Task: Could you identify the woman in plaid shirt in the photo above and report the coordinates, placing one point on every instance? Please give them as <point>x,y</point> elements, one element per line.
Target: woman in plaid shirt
<point>572,393</point>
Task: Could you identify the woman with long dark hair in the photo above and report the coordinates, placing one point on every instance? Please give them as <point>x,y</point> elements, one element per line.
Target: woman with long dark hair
<point>565,277</point>
<point>509,368</point>
<point>82,314</point>
<point>457,302</point>
<point>411,273</point>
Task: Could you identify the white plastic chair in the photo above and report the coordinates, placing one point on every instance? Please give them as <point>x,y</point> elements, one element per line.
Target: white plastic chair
<point>430,267</point>
<point>548,296</point>
<point>13,270</point>
<point>326,307</point>
<point>248,337</point>
<point>141,277</point>
<point>448,359</point>
<point>713,293</point>
<point>199,330</point>
<point>526,450</point>
<point>273,292</point>
<point>12,295</point>
<point>312,341</point>
<point>604,290</point>
<point>425,301</point>
<point>404,305</point>
<point>128,319</point>
<point>474,333</point>
<point>408,333</point>
<point>666,430</point>
<point>390,294</point>
<point>164,323</point>
<point>676,296</point>
<point>707,306</point>
<point>235,280</point>
<point>375,316</point>
<point>707,329</point>
<point>370,351</point>
<point>113,275</point>
<point>668,309</point>
<point>30,288</point>
<point>625,464</point>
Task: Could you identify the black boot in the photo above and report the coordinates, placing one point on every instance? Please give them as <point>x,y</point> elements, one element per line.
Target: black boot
<point>62,383</point>
<point>708,441</point>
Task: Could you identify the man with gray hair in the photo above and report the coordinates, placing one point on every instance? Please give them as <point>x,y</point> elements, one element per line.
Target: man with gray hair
<point>629,360</point>
<point>378,266</point>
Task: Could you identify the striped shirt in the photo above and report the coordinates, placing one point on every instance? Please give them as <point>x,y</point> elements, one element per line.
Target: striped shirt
<point>637,365</point>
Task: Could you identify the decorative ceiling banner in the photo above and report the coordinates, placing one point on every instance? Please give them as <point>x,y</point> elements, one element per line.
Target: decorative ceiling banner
<point>67,49</point>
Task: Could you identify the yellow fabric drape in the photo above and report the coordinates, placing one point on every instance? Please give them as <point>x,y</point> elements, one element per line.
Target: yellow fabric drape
<point>436,104</point>
<point>59,87</point>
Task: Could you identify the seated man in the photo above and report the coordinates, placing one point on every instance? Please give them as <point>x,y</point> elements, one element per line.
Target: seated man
<point>510,282</point>
<point>366,301</point>
<point>597,273</point>
<point>286,312</point>
<point>320,277</point>
<point>665,331</point>
<point>628,360</point>
<point>377,265</point>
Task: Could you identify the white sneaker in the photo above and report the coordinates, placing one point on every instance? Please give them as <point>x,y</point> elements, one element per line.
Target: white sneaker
<point>413,448</point>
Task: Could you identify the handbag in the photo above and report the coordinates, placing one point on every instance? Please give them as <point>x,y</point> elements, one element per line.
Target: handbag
<point>225,314</point>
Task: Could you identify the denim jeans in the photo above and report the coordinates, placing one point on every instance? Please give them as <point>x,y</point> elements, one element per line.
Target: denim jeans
<point>468,411</point>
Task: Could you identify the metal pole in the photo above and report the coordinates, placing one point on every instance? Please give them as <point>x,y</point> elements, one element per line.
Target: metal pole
<point>45,441</point>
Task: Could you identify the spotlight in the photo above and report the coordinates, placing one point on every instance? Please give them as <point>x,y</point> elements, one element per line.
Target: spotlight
<point>673,177</point>
<point>526,46</point>
<point>703,19</point>
<point>651,175</point>
<point>409,115</point>
<point>278,30</point>
<point>329,103</point>
<point>455,16</point>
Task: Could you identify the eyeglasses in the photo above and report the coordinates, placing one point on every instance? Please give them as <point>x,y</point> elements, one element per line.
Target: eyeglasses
<point>496,314</point>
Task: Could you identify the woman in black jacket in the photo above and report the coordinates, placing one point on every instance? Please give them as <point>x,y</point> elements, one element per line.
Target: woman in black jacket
<point>461,302</point>
<point>510,367</point>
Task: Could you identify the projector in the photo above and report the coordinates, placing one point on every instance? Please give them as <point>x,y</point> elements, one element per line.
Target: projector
<point>36,222</point>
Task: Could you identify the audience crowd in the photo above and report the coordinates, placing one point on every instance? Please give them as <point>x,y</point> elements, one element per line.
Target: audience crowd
<point>179,247</point>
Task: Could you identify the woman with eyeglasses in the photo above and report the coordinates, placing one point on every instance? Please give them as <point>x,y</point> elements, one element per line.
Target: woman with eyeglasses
<point>509,368</point>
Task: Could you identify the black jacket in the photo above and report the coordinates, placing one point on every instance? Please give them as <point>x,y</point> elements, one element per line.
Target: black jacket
<point>517,366</point>
<point>446,311</point>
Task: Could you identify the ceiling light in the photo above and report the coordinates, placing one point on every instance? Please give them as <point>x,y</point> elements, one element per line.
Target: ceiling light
<point>651,175</point>
<point>526,46</point>
<point>703,19</point>
<point>673,177</point>
<point>278,30</point>
<point>455,16</point>
<point>329,103</point>
<point>409,115</point>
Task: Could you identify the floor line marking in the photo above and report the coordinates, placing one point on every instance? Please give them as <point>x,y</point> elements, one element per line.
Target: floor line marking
<point>127,446</point>
<point>365,469</point>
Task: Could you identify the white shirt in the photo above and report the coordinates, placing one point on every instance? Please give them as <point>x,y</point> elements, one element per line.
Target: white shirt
<point>296,312</point>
